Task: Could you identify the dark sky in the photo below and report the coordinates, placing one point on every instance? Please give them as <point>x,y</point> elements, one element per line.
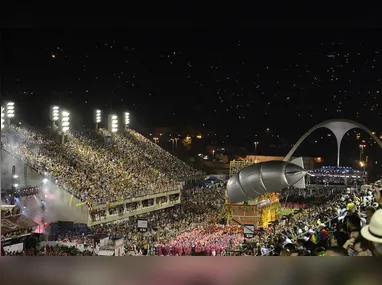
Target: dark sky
<point>237,82</point>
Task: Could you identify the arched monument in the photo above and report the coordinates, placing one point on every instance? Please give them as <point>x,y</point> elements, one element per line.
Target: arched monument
<point>339,127</point>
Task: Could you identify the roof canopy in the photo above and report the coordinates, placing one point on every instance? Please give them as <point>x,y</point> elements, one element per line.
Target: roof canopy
<point>16,223</point>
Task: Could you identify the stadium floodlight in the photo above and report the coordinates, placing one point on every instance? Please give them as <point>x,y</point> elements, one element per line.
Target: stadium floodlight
<point>64,121</point>
<point>127,119</point>
<point>10,109</point>
<point>97,116</point>
<point>55,113</point>
<point>2,117</point>
<point>113,123</point>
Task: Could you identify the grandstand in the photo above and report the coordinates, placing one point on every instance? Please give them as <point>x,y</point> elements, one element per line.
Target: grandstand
<point>103,180</point>
<point>336,176</point>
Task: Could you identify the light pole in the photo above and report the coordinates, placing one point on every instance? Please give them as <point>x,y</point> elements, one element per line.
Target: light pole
<point>173,144</point>
<point>113,123</point>
<point>2,117</point>
<point>156,140</point>
<point>361,148</point>
<point>176,143</point>
<point>54,115</point>
<point>64,124</point>
<point>9,111</point>
<point>362,164</point>
<point>126,120</point>
<point>256,143</point>
<point>97,118</point>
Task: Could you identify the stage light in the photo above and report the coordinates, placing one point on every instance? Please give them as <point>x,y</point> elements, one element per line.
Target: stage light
<point>15,176</point>
<point>45,180</point>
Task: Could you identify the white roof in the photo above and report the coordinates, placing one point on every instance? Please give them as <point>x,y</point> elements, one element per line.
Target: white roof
<point>106,253</point>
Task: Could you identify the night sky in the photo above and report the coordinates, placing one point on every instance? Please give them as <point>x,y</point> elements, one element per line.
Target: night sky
<point>241,85</point>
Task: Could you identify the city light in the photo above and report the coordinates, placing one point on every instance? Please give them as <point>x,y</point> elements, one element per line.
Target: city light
<point>55,113</point>
<point>2,117</point>
<point>97,116</point>
<point>10,109</point>
<point>127,119</point>
<point>113,123</point>
<point>64,121</point>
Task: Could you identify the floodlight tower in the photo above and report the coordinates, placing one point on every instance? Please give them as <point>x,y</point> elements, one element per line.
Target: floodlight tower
<point>54,116</point>
<point>126,121</point>
<point>2,117</point>
<point>113,123</point>
<point>64,124</point>
<point>9,112</point>
<point>97,118</point>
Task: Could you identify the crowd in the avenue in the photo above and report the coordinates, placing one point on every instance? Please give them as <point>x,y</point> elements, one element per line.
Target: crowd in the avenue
<point>342,225</point>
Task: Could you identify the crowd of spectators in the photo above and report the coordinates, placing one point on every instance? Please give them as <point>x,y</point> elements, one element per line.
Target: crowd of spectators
<point>341,226</point>
<point>325,228</point>
<point>127,167</point>
<point>50,251</point>
<point>201,206</point>
<point>336,226</point>
<point>332,175</point>
<point>15,234</point>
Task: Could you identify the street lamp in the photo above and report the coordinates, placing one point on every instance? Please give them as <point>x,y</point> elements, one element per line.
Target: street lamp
<point>256,143</point>
<point>9,111</point>
<point>363,165</point>
<point>173,144</point>
<point>54,115</point>
<point>361,148</point>
<point>2,117</point>
<point>156,140</point>
<point>126,120</point>
<point>97,118</point>
<point>113,123</point>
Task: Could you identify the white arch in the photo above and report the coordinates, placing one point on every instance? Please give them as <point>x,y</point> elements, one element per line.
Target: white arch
<point>339,127</point>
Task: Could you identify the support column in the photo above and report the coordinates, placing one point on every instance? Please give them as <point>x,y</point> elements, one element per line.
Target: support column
<point>338,151</point>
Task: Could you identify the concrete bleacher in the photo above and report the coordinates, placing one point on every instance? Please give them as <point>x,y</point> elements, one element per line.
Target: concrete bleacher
<point>83,211</point>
